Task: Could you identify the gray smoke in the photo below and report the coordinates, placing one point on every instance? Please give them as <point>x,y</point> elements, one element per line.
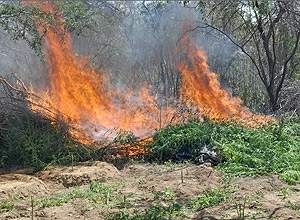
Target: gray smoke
<point>18,60</point>
<point>133,43</point>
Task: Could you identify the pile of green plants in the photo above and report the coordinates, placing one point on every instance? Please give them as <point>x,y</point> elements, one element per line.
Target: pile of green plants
<point>30,140</point>
<point>271,149</point>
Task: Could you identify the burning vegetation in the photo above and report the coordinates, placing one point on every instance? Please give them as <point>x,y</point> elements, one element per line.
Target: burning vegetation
<point>201,87</point>
<point>80,96</point>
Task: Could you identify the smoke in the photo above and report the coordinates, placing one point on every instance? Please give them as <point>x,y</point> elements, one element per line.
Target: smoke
<point>147,50</point>
<point>135,45</point>
<point>17,59</point>
<point>153,42</point>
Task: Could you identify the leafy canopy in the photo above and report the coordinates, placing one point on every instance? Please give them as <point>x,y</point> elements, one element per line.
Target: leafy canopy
<point>29,22</point>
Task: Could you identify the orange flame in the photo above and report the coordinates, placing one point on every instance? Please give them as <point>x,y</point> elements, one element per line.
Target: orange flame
<point>201,87</point>
<point>81,94</point>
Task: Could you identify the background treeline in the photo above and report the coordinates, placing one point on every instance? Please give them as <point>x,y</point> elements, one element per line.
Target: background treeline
<point>251,45</point>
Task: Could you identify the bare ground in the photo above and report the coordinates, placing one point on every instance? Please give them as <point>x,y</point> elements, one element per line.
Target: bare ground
<point>141,187</point>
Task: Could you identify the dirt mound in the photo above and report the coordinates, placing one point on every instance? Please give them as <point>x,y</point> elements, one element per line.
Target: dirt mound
<point>79,175</point>
<point>21,185</point>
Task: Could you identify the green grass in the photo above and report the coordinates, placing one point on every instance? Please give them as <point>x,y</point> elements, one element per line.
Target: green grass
<point>6,205</point>
<point>293,206</point>
<point>98,193</point>
<point>167,207</point>
<point>158,212</point>
<point>209,198</point>
<point>165,203</point>
<point>60,199</point>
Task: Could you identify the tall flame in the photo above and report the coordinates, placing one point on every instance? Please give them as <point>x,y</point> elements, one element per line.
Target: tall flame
<point>81,93</point>
<point>201,87</point>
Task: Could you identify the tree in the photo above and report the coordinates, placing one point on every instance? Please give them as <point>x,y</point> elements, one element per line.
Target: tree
<point>21,19</point>
<point>267,32</point>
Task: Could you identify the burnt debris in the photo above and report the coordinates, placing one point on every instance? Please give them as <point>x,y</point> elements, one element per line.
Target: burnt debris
<point>205,154</point>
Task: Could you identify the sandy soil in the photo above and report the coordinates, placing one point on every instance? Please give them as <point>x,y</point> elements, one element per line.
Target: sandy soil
<point>143,185</point>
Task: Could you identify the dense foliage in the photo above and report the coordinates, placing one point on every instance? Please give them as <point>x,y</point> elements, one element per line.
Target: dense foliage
<point>32,141</point>
<point>272,148</point>
<point>28,21</point>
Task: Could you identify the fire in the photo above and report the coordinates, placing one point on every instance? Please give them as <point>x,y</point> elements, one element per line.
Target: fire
<point>81,95</point>
<point>96,112</point>
<point>201,87</point>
